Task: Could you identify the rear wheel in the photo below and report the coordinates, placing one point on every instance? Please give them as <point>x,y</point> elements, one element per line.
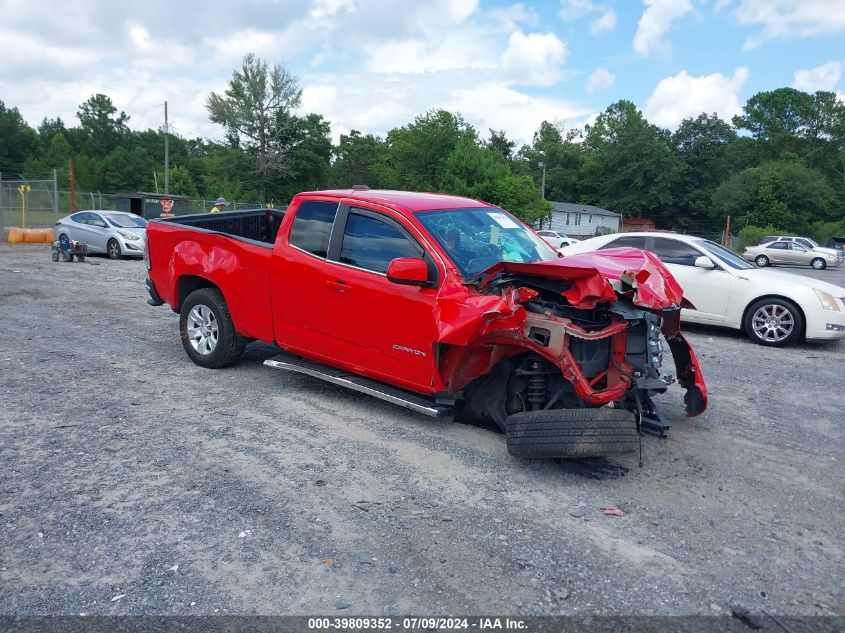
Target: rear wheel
<point>761,260</point>
<point>207,330</point>
<point>55,255</point>
<point>818,263</point>
<point>774,322</point>
<point>113,249</point>
<point>556,433</point>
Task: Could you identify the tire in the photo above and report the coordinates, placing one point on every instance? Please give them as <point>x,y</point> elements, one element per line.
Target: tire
<point>571,433</point>
<point>67,257</point>
<point>81,258</point>
<point>761,260</point>
<point>773,322</point>
<point>113,249</point>
<point>207,331</point>
<point>55,255</point>
<point>818,264</point>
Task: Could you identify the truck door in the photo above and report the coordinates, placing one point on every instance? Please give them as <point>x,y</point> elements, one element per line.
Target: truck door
<point>372,325</point>
<point>297,289</point>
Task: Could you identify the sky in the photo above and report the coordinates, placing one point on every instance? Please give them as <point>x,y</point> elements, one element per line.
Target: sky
<point>372,65</point>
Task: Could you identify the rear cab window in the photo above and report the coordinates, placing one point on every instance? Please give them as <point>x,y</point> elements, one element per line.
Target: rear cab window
<point>312,226</point>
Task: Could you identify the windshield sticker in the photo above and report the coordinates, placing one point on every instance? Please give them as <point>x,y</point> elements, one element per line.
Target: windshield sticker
<point>494,234</point>
<point>504,221</point>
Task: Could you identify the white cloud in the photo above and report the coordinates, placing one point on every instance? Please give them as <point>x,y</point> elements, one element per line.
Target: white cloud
<point>326,8</point>
<point>536,58</point>
<point>824,77</point>
<point>655,22</point>
<point>601,79</point>
<point>787,19</point>
<point>574,9</point>
<point>487,104</point>
<point>681,96</point>
<point>607,22</point>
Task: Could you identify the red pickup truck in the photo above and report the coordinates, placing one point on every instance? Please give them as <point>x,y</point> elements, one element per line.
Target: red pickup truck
<point>442,304</point>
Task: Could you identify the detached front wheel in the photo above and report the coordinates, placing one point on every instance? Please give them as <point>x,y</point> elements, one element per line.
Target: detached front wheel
<point>571,433</point>
<point>207,330</point>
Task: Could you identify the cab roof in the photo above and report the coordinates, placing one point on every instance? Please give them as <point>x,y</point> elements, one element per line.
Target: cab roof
<point>410,200</point>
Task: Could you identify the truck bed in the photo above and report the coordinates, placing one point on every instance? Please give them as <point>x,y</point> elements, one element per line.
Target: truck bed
<point>260,225</point>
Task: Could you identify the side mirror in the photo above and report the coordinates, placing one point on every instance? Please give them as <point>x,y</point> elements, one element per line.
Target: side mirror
<point>704,262</point>
<point>408,271</point>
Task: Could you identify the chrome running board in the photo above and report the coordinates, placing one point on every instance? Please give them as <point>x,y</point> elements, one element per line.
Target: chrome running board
<point>380,390</point>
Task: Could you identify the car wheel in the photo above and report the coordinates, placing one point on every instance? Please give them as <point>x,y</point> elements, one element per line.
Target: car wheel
<point>774,322</point>
<point>818,263</point>
<point>207,330</point>
<point>761,260</point>
<point>55,255</point>
<point>113,249</point>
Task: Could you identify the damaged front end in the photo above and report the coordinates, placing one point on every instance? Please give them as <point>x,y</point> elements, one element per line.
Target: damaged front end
<point>558,340</point>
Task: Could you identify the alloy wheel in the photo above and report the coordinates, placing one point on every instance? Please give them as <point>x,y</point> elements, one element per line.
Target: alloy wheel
<point>772,323</point>
<point>203,332</point>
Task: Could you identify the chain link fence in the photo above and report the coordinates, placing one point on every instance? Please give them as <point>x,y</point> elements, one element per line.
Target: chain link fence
<point>45,203</point>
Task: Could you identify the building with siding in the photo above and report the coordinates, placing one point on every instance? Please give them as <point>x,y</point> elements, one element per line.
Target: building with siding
<point>583,220</point>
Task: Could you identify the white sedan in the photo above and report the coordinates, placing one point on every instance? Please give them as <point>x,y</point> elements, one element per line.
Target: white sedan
<point>774,308</point>
<point>556,239</point>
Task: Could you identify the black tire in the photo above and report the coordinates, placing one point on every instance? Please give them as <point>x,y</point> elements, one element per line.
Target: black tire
<point>81,258</point>
<point>55,256</point>
<point>571,433</point>
<point>761,260</point>
<point>818,264</point>
<point>229,346</point>
<point>113,249</point>
<point>761,333</point>
<point>67,257</point>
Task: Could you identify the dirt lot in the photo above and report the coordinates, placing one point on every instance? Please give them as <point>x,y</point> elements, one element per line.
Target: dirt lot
<point>133,481</point>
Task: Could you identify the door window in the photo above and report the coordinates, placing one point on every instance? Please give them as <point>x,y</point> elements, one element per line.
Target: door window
<point>372,244</point>
<point>81,218</point>
<point>312,226</point>
<point>797,247</point>
<point>780,246</point>
<point>675,252</point>
<point>631,241</point>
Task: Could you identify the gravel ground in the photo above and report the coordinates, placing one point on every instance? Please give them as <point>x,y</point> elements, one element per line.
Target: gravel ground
<point>135,482</point>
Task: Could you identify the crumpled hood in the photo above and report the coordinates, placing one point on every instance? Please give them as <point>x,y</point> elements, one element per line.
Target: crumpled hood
<point>639,274</point>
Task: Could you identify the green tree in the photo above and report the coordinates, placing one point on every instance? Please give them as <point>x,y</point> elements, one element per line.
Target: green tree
<point>359,160</point>
<point>418,152</point>
<point>703,147</point>
<point>786,194</point>
<point>499,143</point>
<point>629,166</point>
<point>103,128</point>
<point>309,151</point>
<point>259,98</point>
<point>18,141</point>
<point>778,119</point>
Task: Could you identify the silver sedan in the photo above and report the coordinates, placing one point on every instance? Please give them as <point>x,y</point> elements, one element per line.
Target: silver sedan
<point>115,233</point>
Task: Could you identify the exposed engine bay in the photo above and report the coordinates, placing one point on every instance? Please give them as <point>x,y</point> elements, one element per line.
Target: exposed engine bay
<point>555,353</point>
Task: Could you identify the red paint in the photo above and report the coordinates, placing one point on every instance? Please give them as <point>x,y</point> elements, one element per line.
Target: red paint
<point>428,339</point>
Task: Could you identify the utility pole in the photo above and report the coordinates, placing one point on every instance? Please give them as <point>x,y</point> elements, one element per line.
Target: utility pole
<point>543,190</point>
<point>166,152</point>
<point>56,193</point>
<point>72,187</point>
<point>726,237</point>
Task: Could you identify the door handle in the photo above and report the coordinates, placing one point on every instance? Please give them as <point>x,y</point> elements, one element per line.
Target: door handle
<point>338,285</point>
